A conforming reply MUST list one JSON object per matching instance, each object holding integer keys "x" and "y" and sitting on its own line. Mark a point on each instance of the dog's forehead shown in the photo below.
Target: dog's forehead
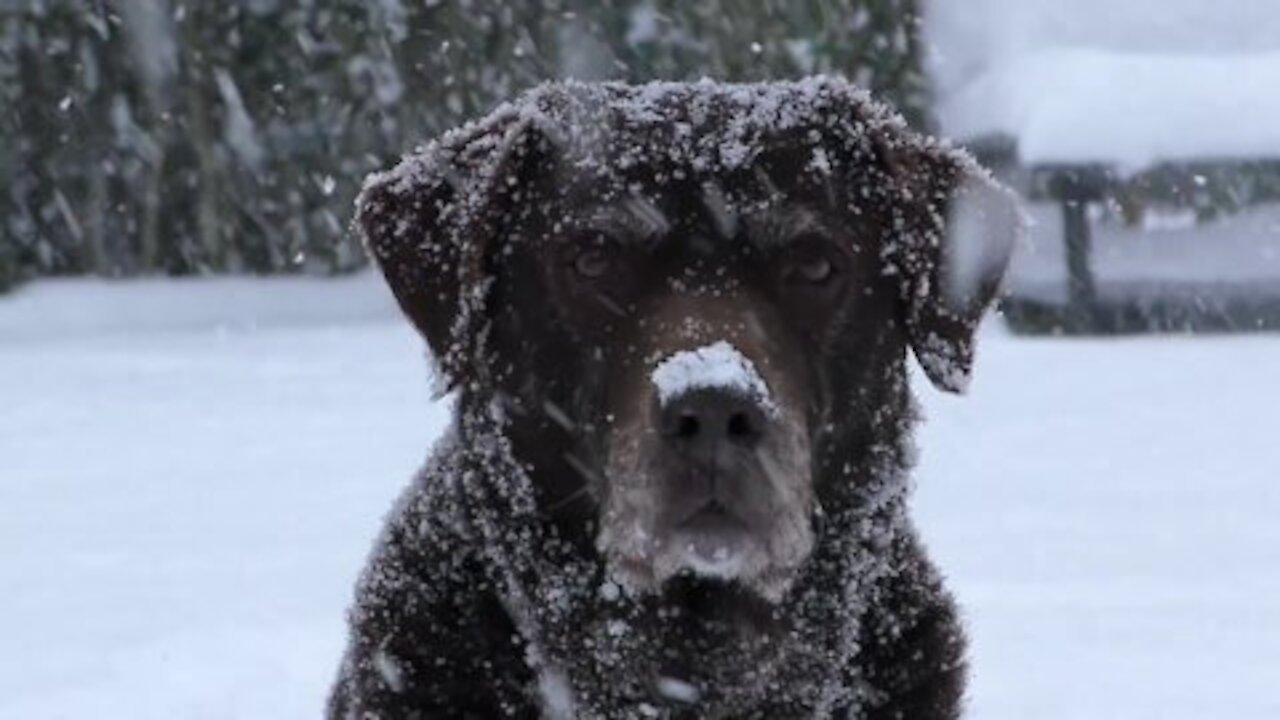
{"x": 634, "y": 168}
{"x": 700, "y": 216}
{"x": 665, "y": 196}
{"x": 700, "y": 126}
{"x": 740, "y": 139}
{"x": 701, "y": 166}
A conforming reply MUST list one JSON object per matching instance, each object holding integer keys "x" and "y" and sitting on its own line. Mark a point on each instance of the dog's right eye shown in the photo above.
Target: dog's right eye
{"x": 813, "y": 269}
{"x": 813, "y": 263}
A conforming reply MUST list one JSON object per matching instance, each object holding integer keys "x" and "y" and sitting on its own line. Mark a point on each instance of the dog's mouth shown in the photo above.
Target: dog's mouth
{"x": 713, "y": 541}
{"x": 741, "y": 517}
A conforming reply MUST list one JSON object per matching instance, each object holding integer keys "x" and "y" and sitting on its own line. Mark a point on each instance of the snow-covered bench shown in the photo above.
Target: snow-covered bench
{"x": 1090, "y": 105}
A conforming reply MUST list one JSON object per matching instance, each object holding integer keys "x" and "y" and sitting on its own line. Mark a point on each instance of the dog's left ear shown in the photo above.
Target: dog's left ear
{"x": 952, "y": 232}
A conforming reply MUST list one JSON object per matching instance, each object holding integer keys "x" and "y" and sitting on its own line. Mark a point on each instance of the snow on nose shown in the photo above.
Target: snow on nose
{"x": 718, "y": 366}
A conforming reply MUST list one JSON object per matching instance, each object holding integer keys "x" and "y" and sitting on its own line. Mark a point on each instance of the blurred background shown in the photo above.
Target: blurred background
{"x": 207, "y": 402}
{"x": 160, "y": 137}
{"x": 154, "y": 136}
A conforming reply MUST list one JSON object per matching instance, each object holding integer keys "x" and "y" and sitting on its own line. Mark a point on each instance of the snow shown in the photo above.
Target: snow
{"x": 985, "y": 225}
{"x": 191, "y": 474}
{"x": 678, "y": 690}
{"x": 238, "y": 127}
{"x": 557, "y": 694}
{"x": 719, "y": 366}
{"x": 1068, "y": 88}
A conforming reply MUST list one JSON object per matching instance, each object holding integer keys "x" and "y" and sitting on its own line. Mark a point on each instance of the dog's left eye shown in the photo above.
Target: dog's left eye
{"x": 592, "y": 263}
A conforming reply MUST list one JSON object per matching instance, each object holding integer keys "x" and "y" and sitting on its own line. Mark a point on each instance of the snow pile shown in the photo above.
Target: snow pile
{"x": 1158, "y": 80}
{"x": 718, "y": 365}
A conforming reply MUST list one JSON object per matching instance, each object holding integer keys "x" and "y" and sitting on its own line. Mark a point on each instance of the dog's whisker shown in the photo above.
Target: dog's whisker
{"x": 651, "y": 219}
{"x": 829, "y": 189}
{"x": 770, "y": 468}
{"x": 572, "y": 497}
{"x": 559, "y": 416}
{"x": 610, "y": 305}
{"x": 766, "y": 182}
{"x": 583, "y": 469}
{"x": 722, "y": 214}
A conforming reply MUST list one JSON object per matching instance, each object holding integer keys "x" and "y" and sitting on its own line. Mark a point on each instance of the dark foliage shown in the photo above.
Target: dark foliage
{"x": 168, "y": 136}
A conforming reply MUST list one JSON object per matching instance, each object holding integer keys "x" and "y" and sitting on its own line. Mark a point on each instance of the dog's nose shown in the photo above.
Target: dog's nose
{"x": 702, "y": 422}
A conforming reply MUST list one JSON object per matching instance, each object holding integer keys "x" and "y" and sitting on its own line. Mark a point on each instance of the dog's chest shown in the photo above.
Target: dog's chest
{"x": 559, "y": 702}
{"x": 623, "y": 670}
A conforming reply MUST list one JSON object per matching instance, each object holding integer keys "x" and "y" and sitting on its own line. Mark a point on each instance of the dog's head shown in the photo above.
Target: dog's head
{"x": 681, "y": 292}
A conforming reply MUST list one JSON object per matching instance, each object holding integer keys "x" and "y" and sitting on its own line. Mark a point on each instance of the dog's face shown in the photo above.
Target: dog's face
{"x": 683, "y": 335}
{"x": 708, "y": 308}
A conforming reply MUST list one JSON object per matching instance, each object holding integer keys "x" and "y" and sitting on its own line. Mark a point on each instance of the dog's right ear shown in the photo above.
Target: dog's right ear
{"x": 432, "y": 224}
{"x": 954, "y": 231}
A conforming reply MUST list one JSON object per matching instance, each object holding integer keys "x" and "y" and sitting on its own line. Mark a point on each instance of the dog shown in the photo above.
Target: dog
{"x": 676, "y": 318}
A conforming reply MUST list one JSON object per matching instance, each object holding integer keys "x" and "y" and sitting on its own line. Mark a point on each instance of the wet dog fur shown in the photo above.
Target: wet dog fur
{"x": 558, "y": 557}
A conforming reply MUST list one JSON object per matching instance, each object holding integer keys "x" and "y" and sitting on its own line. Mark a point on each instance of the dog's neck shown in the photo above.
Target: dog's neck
{"x": 561, "y": 479}
{"x": 707, "y": 635}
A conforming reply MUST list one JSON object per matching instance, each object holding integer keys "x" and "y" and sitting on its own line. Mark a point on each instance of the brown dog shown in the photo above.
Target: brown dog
{"x": 676, "y": 317}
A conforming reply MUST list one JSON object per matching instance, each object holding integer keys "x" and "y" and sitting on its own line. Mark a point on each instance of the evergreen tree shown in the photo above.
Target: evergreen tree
{"x": 174, "y": 136}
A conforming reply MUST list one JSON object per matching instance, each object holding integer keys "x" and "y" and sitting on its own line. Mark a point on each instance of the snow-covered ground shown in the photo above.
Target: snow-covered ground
{"x": 191, "y": 473}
